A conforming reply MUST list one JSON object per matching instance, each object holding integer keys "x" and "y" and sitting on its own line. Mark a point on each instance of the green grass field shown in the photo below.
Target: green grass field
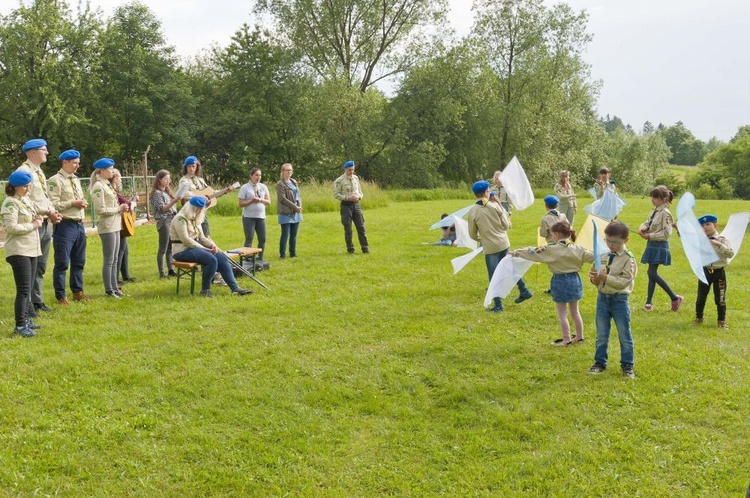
{"x": 371, "y": 375}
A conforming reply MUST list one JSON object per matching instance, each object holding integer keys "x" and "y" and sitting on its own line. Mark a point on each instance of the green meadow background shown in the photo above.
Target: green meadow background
{"x": 371, "y": 375}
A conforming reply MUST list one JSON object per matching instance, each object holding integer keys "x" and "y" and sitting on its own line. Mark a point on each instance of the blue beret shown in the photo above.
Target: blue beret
{"x": 349, "y": 164}
{"x": 70, "y": 154}
{"x": 19, "y": 178}
{"x": 36, "y": 143}
{"x": 104, "y": 162}
{"x": 190, "y": 160}
{"x": 198, "y": 201}
{"x": 480, "y": 187}
{"x": 551, "y": 200}
{"x": 708, "y": 218}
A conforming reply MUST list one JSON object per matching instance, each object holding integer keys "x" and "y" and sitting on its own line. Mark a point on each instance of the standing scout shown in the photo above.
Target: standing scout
{"x": 615, "y": 282}
{"x": 66, "y": 195}
{"x": 489, "y": 223}
{"x": 714, "y": 273}
{"x": 347, "y": 190}
{"x": 36, "y": 155}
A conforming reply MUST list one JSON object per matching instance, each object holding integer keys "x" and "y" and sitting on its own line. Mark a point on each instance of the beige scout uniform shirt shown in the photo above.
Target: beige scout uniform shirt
{"x": 344, "y": 186}
{"x": 561, "y": 257}
{"x": 21, "y": 236}
{"x": 621, "y": 272}
{"x": 185, "y": 233}
{"x": 549, "y": 219}
{"x": 38, "y": 193}
{"x": 566, "y": 195}
{"x": 724, "y": 251}
{"x": 63, "y": 190}
{"x": 193, "y": 183}
{"x": 106, "y": 207}
{"x": 659, "y": 224}
{"x": 488, "y": 223}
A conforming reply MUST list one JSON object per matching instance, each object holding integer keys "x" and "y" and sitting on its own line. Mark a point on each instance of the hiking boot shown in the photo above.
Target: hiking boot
{"x": 171, "y": 273}
{"x": 43, "y": 307}
{"x": 24, "y": 331}
{"x": 495, "y": 309}
{"x": 597, "y": 368}
{"x": 523, "y": 297}
{"x": 80, "y": 296}
{"x": 677, "y": 303}
{"x": 33, "y": 326}
{"x": 722, "y": 324}
{"x": 241, "y": 292}
{"x": 206, "y": 293}
{"x": 698, "y": 321}
{"x": 627, "y": 371}
{"x": 112, "y": 295}
{"x": 62, "y": 301}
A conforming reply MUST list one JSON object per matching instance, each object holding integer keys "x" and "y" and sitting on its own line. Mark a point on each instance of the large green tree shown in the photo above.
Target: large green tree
{"x": 47, "y": 55}
{"x": 545, "y": 97}
{"x": 252, "y": 100}
{"x": 361, "y": 41}
{"x": 686, "y": 149}
{"x": 144, "y": 96}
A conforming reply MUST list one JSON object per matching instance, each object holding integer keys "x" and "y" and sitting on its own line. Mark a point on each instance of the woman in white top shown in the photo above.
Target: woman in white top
{"x": 253, "y": 199}
{"x": 108, "y": 223}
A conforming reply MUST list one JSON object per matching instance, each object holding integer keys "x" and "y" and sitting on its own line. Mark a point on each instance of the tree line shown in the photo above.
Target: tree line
{"x": 381, "y": 82}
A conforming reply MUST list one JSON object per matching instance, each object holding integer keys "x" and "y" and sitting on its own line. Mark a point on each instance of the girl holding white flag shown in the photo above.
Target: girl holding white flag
{"x": 565, "y": 260}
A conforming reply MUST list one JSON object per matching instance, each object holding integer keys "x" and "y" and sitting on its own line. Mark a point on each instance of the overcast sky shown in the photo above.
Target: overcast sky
{"x": 659, "y": 60}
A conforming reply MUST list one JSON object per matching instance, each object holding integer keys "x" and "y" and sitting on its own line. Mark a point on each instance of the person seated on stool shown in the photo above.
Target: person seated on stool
{"x": 189, "y": 244}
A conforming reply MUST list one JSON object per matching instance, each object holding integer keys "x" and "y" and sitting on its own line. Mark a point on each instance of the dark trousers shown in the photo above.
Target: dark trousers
{"x": 251, "y": 226}
{"x": 122, "y": 258}
{"x": 70, "y": 249}
{"x": 24, "y": 273}
{"x": 165, "y": 249}
{"x": 288, "y": 232}
{"x": 45, "y": 238}
{"x": 718, "y": 279}
{"x": 350, "y": 211}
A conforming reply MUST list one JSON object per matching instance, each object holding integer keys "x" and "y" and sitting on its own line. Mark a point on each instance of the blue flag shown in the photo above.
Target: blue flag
{"x": 597, "y": 256}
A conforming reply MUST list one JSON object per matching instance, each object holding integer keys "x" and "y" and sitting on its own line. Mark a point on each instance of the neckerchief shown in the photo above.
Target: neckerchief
{"x": 609, "y": 263}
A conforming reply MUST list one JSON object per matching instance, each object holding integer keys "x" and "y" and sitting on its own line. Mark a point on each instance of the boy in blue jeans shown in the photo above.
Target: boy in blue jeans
{"x": 615, "y": 282}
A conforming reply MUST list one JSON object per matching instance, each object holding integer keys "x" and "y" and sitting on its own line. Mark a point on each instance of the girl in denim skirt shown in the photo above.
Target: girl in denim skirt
{"x": 565, "y": 260}
{"x": 656, "y": 230}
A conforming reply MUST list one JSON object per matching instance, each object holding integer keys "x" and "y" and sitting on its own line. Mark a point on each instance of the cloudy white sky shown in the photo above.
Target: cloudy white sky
{"x": 659, "y": 60}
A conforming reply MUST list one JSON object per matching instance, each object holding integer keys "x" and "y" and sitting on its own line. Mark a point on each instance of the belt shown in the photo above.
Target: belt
{"x": 71, "y": 220}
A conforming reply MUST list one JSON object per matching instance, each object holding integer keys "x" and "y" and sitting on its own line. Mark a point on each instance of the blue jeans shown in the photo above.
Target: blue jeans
{"x": 613, "y": 307}
{"x": 288, "y": 231}
{"x": 210, "y": 263}
{"x": 69, "y": 242}
{"x": 492, "y": 260}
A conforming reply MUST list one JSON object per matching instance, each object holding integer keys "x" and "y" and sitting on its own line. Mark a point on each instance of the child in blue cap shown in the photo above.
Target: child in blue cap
{"x": 714, "y": 272}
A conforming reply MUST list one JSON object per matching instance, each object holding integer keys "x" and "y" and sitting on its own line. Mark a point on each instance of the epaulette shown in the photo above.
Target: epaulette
{"x": 632, "y": 256}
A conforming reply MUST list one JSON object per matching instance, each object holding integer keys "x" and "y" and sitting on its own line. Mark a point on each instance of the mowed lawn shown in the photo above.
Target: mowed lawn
{"x": 372, "y": 375}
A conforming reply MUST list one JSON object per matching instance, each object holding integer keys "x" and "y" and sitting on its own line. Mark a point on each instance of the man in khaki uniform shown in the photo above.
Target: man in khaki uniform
{"x": 69, "y": 242}
{"x": 346, "y": 189}
{"x": 36, "y": 155}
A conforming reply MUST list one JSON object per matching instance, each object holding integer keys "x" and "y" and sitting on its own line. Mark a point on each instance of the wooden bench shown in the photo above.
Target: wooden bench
{"x": 244, "y": 254}
{"x": 185, "y": 268}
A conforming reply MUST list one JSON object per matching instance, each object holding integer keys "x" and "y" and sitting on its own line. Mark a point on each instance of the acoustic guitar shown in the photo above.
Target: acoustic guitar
{"x": 128, "y": 223}
{"x": 213, "y": 195}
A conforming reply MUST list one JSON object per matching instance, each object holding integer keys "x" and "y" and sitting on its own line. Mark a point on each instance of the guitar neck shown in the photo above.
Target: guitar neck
{"x": 224, "y": 191}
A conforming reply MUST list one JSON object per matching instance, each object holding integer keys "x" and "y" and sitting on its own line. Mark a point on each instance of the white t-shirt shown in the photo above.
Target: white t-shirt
{"x": 256, "y": 209}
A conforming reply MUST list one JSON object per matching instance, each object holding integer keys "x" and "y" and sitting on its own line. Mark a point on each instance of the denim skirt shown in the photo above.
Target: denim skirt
{"x": 566, "y": 287}
{"x": 657, "y": 253}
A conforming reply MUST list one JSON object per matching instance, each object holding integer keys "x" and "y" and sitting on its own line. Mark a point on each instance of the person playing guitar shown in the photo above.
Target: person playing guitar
{"x": 192, "y": 184}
